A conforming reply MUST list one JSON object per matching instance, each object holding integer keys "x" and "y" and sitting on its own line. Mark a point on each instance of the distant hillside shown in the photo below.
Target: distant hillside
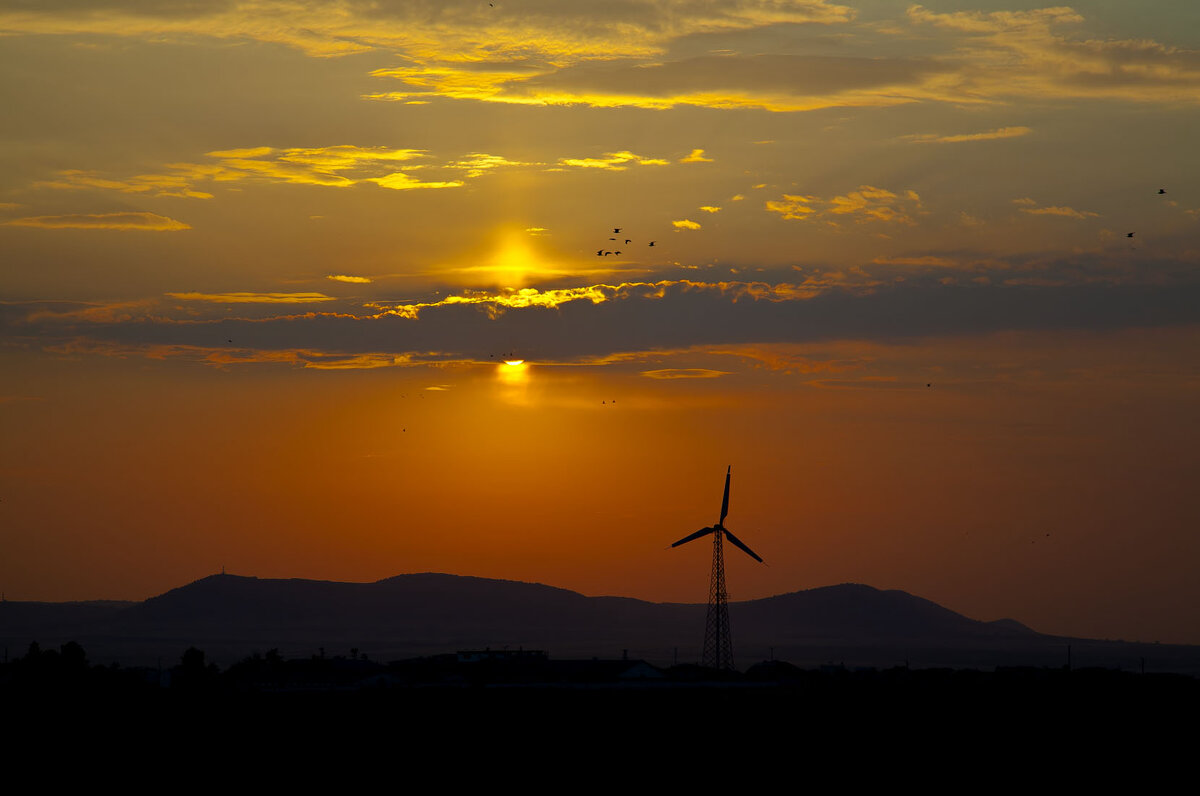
{"x": 230, "y": 616}
{"x": 32, "y": 618}
{"x": 853, "y": 611}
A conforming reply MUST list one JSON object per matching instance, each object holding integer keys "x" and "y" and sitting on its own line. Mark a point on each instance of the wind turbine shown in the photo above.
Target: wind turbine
{"x": 718, "y": 645}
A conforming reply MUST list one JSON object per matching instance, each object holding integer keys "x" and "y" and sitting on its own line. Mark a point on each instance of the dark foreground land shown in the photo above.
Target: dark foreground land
{"x": 580, "y": 726}
{"x": 443, "y": 694}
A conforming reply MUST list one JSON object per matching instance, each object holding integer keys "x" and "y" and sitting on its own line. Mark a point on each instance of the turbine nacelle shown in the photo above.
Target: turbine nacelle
{"x": 720, "y": 528}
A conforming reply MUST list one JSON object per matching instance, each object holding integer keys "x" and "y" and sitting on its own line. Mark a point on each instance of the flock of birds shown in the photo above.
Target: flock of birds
{"x": 601, "y": 252}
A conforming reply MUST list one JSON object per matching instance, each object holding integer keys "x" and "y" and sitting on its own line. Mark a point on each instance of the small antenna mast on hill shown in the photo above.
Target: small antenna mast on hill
{"x": 718, "y": 644}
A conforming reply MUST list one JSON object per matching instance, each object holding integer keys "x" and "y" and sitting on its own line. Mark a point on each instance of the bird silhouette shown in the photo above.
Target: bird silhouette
{"x": 1129, "y": 234}
{"x": 616, "y": 230}
{"x": 651, "y": 243}
{"x": 1162, "y": 191}
{"x": 627, "y": 241}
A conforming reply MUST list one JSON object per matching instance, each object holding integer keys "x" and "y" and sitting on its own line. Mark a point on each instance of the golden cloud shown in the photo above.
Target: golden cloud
{"x": 348, "y": 278}
{"x": 684, "y": 373}
{"x": 455, "y": 31}
{"x": 1030, "y": 206}
{"x": 309, "y": 165}
{"x": 253, "y": 298}
{"x": 792, "y": 206}
{"x": 685, "y": 224}
{"x": 923, "y": 260}
{"x": 153, "y": 184}
{"x": 1068, "y": 212}
{"x": 868, "y": 203}
{"x": 697, "y": 156}
{"x": 96, "y": 312}
{"x": 1020, "y": 53}
{"x": 991, "y": 135}
{"x": 399, "y": 181}
{"x": 874, "y": 203}
{"x": 995, "y": 21}
{"x": 710, "y": 209}
{"x": 589, "y": 53}
{"x": 479, "y": 163}
{"x": 151, "y": 222}
{"x": 337, "y": 166}
{"x": 612, "y": 161}
{"x": 222, "y": 357}
{"x": 495, "y": 303}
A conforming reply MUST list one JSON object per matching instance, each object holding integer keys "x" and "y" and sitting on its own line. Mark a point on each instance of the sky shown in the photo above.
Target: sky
{"x": 344, "y": 290}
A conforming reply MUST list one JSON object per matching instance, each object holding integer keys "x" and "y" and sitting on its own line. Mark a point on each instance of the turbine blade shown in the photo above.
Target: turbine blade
{"x": 696, "y": 535}
{"x": 725, "y": 500}
{"x": 729, "y": 535}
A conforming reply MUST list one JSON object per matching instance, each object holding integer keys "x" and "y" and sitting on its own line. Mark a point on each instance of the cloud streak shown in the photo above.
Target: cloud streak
{"x": 135, "y": 221}
{"x": 1027, "y": 205}
{"x": 990, "y": 135}
{"x": 253, "y": 298}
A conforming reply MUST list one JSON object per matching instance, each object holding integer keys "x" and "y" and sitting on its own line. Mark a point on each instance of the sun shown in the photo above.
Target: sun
{"x": 512, "y": 377}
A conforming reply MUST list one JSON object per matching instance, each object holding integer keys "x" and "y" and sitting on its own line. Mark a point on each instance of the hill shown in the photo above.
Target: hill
{"x": 230, "y": 616}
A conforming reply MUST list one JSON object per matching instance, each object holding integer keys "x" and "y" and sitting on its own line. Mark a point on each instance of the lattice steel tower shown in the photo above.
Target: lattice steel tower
{"x": 718, "y": 643}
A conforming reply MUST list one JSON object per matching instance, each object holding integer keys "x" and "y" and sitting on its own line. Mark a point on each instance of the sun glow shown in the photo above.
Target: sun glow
{"x": 512, "y": 263}
{"x": 513, "y": 371}
{"x": 513, "y": 381}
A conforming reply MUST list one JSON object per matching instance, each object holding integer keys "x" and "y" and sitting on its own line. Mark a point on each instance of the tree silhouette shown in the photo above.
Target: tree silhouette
{"x": 193, "y": 673}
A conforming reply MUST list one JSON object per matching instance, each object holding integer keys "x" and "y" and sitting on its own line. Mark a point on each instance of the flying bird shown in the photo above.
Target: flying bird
{"x": 616, "y": 230}
{"x": 1162, "y": 191}
{"x": 1129, "y": 234}
{"x": 627, "y": 241}
{"x": 651, "y": 243}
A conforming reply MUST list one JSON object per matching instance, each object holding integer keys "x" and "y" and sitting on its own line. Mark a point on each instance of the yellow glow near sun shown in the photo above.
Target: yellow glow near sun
{"x": 514, "y": 262}
{"x": 513, "y": 381}
{"x": 511, "y": 262}
{"x": 513, "y": 371}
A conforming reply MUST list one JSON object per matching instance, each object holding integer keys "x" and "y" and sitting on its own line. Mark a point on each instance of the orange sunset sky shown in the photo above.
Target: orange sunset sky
{"x": 261, "y": 264}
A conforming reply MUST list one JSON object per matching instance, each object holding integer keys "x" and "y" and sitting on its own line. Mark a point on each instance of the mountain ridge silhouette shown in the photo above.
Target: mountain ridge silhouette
{"x": 415, "y": 614}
